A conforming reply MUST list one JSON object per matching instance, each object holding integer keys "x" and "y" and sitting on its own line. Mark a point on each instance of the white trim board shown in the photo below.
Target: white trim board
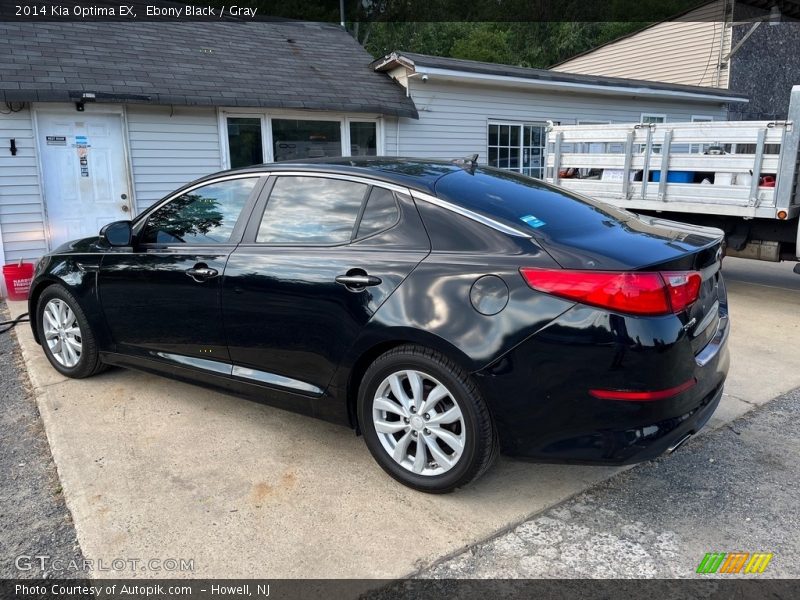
{"x": 613, "y": 90}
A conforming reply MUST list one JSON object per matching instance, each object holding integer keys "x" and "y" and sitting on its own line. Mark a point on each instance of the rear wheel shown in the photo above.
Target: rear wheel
{"x": 66, "y": 336}
{"x": 425, "y": 421}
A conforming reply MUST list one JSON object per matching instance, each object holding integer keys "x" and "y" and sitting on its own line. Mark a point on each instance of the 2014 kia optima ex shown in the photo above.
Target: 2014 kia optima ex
{"x": 446, "y": 311}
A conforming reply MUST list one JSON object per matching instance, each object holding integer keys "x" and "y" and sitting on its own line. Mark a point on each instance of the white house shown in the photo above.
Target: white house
{"x": 501, "y": 112}
{"x": 95, "y": 132}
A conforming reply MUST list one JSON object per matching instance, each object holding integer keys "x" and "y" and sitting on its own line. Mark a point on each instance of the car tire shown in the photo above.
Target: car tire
{"x": 65, "y": 334}
{"x": 454, "y": 429}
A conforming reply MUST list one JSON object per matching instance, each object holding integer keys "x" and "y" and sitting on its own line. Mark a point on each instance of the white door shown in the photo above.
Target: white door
{"x": 85, "y": 174}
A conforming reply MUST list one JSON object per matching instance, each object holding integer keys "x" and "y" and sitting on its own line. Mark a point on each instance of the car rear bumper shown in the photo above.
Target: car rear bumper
{"x": 627, "y": 446}
{"x": 548, "y": 415}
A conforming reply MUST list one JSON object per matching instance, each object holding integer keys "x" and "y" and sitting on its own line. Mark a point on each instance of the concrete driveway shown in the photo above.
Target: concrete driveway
{"x": 156, "y": 469}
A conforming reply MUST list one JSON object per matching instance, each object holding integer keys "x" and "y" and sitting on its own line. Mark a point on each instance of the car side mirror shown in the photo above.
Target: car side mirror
{"x": 118, "y": 233}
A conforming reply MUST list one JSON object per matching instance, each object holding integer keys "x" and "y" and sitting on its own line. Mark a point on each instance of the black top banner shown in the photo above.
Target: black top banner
{"x": 351, "y": 11}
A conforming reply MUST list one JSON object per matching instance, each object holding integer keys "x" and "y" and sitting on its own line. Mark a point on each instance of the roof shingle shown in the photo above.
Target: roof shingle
{"x": 267, "y": 64}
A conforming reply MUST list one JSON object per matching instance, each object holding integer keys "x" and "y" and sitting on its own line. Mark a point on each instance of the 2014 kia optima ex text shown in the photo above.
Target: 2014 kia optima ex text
{"x": 446, "y": 311}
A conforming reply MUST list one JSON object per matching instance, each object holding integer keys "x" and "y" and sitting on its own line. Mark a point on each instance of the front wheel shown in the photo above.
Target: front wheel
{"x": 424, "y": 420}
{"x": 65, "y": 334}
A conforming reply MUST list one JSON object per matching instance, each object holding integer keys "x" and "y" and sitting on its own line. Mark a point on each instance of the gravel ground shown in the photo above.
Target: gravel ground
{"x": 731, "y": 490}
{"x": 33, "y": 517}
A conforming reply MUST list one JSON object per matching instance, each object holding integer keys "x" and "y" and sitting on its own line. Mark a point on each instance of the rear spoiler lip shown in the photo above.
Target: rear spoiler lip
{"x": 717, "y": 234}
{"x": 704, "y": 255}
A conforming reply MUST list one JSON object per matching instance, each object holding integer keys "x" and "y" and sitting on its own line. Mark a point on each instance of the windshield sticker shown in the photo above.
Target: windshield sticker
{"x": 532, "y": 221}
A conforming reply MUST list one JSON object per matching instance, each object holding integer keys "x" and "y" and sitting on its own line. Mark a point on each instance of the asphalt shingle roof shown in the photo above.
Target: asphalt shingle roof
{"x": 243, "y": 63}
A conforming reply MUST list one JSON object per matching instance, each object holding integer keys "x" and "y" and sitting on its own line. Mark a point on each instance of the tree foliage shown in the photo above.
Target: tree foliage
{"x": 530, "y": 33}
{"x": 525, "y": 44}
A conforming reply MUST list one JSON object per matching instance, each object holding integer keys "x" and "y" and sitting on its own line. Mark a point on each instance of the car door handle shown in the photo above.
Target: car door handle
{"x": 358, "y": 282}
{"x": 201, "y": 273}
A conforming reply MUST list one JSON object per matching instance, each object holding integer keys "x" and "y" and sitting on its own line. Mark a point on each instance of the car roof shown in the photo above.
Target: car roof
{"x": 415, "y": 173}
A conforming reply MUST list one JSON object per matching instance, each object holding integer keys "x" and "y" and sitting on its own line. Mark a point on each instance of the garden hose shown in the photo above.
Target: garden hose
{"x": 11, "y": 324}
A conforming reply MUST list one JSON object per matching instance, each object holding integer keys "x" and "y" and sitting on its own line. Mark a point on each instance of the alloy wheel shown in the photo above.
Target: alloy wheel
{"x": 62, "y": 332}
{"x": 418, "y": 422}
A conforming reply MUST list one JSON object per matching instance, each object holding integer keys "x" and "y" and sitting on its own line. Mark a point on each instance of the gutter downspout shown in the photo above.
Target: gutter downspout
{"x": 723, "y": 30}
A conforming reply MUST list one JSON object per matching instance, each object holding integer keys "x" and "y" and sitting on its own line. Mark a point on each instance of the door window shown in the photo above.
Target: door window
{"x": 311, "y": 210}
{"x": 204, "y": 215}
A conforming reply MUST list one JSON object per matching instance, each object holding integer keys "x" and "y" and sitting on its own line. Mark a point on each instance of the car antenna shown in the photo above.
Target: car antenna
{"x": 469, "y": 162}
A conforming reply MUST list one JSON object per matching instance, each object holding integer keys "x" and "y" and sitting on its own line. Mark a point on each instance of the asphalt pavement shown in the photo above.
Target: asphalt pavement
{"x": 733, "y": 490}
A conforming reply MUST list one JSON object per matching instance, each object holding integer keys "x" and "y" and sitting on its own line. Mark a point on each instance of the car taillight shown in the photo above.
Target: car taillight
{"x": 638, "y": 293}
{"x": 643, "y": 395}
{"x": 683, "y": 287}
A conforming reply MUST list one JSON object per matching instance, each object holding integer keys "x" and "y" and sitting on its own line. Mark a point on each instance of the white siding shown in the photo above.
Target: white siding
{"x": 170, "y": 147}
{"x": 685, "y": 51}
{"x": 21, "y": 213}
{"x": 453, "y": 117}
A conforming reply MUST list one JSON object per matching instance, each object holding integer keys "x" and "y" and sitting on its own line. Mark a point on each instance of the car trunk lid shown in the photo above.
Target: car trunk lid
{"x": 642, "y": 243}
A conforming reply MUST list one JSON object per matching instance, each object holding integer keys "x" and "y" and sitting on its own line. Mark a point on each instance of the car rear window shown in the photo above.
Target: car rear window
{"x": 526, "y": 203}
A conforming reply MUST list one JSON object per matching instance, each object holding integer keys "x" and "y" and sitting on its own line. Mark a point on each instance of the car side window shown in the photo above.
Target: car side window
{"x": 380, "y": 213}
{"x": 204, "y": 215}
{"x": 311, "y": 210}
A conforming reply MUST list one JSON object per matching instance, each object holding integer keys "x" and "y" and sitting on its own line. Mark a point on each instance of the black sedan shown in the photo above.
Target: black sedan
{"x": 445, "y": 311}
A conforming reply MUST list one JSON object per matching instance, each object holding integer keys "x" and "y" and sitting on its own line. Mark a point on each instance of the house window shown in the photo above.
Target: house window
{"x": 258, "y": 138}
{"x": 244, "y": 141}
{"x": 592, "y": 147}
{"x": 518, "y": 147}
{"x": 363, "y": 138}
{"x": 298, "y": 138}
{"x": 653, "y": 118}
{"x": 700, "y": 148}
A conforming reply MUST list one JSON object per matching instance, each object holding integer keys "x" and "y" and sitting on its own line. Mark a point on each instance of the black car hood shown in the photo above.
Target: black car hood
{"x": 634, "y": 243}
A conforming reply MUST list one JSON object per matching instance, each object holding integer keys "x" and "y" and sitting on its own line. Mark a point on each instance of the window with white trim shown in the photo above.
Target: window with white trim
{"x": 294, "y": 139}
{"x": 653, "y": 118}
{"x": 700, "y": 148}
{"x": 518, "y": 147}
{"x": 363, "y": 138}
{"x": 593, "y": 147}
{"x": 258, "y": 138}
{"x": 245, "y": 145}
